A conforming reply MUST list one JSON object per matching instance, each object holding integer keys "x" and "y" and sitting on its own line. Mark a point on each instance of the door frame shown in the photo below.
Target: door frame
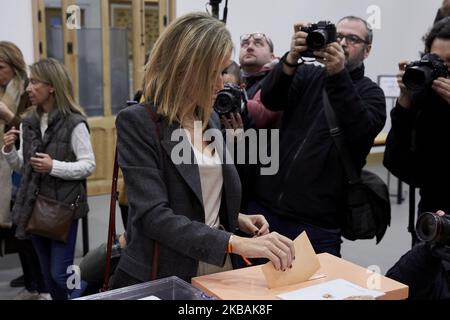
{"x": 103, "y": 127}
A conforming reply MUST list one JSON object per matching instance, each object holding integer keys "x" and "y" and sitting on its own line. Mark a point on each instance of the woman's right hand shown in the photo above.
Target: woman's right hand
{"x": 10, "y": 138}
{"x": 273, "y": 246}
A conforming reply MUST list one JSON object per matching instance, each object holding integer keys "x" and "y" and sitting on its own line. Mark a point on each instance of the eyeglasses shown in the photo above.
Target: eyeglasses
{"x": 256, "y": 36}
{"x": 350, "y": 39}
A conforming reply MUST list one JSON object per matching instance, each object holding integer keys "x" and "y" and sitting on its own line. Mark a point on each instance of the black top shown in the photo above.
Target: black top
{"x": 310, "y": 187}
{"x": 416, "y": 149}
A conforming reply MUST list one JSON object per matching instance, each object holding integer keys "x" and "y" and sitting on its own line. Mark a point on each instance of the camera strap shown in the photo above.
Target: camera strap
{"x": 336, "y": 134}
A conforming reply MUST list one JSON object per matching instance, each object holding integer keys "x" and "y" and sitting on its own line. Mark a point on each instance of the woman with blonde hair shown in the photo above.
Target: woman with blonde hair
{"x": 56, "y": 157}
{"x": 182, "y": 215}
{"x": 13, "y": 100}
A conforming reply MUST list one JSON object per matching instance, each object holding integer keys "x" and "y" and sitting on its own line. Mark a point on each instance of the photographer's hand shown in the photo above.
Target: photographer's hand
{"x": 235, "y": 124}
{"x": 404, "y": 100}
{"x": 442, "y": 87}
{"x": 333, "y": 57}
{"x": 298, "y": 45}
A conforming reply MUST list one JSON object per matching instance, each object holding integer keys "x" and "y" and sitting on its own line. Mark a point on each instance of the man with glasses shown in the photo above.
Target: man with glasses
{"x": 309, "y": 191}
{"x": 257, "y": 58}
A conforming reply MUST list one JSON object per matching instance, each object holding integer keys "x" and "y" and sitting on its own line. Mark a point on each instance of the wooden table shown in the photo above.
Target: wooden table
{"x": 249, "y": 283}
{"x": 380, "y": 140}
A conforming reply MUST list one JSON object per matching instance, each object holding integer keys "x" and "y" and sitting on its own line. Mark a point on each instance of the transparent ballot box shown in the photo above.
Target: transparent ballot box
{"x": 172, "y": 288}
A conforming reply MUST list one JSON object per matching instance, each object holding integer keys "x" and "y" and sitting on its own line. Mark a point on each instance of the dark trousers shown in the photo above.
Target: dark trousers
{"x": 124, "y": 214}
{"x": 322, "y": 240}
{"x": 55, "y": 257}
{"x": 29, "y": 260}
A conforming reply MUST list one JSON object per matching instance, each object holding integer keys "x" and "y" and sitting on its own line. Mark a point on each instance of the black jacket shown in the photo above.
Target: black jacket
{"x": 416, "y": 149}
{"x": 166, "y": 203}
{"x": 426, "y": 273}
{"x": 310, "y": 185}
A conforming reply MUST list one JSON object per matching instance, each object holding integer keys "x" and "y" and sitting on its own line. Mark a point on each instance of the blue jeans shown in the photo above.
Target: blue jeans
{"x": 322, "y": 240}
{"x": 55, "y": 257}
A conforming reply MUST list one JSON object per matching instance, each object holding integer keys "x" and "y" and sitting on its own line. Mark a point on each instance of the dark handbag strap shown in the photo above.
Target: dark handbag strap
{"x": 112, "y": 214}
{"x": 112, "y": 223}
{"x": 341, "y": 146}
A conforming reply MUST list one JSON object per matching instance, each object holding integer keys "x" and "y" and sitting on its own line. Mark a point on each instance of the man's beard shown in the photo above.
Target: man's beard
{"x": 352, "y": 65}
{"x": 355, "y": 63}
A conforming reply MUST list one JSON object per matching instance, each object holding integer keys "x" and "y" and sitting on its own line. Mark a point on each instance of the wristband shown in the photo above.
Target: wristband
{"x": 230, "y": 246}
{"x": 292, "y": 65}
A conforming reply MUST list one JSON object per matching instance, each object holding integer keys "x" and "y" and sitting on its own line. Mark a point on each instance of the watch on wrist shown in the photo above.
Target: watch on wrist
{"x": 292, "y": 65}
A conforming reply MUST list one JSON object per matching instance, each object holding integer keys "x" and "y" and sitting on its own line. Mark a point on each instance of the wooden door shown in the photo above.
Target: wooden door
{"x": 105, "y": 58}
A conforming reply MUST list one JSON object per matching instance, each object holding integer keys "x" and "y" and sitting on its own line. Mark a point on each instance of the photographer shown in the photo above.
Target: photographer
{"x": 425, "y": 269}
{"x": 309, "y": 191}
{"x": 443, "y": 11}
{"x": 231, "y": 102}
{"x": 420, "y": 129}
{"x": 257, "y": 60}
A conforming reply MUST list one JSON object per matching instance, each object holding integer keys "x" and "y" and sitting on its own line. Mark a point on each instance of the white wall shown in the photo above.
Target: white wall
{"x": 403, "y": 23}
{"x": 16, "y": 25}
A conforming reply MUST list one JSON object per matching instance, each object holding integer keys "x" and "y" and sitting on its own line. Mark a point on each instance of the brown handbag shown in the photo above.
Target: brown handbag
{"x": 51, "y": 218}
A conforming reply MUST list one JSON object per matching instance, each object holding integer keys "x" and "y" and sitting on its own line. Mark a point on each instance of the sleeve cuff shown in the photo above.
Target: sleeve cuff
{"x": 8, "y": 154}
{"x": 57, "y": 169}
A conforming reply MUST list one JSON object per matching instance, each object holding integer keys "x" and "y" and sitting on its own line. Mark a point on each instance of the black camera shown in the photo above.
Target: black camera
{"x": 419, "y": 75}
{"x": 231, "y": 99}
{"x": 319, "y": 35}
{"x": 432, "y": 227}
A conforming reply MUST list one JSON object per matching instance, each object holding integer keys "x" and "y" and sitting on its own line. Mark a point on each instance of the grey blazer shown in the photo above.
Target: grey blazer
{"x": 165, "y": 202}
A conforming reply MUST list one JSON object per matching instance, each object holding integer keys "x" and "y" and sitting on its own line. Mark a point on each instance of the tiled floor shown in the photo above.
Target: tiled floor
{"x": 363, "y": 252}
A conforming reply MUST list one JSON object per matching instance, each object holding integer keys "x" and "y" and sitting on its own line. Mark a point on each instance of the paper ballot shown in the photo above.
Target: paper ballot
{"x": 338, "y": 289}
{"x": 304, "y": 266}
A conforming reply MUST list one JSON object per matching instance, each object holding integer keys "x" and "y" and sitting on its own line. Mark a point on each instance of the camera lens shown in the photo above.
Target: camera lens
{"x": 434, "y": 228}
{"x": 417, "y": 78}
{"x": 427, "y": 226}
{"x": 224, "y": 103}
{"x": 317, "y": 39}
